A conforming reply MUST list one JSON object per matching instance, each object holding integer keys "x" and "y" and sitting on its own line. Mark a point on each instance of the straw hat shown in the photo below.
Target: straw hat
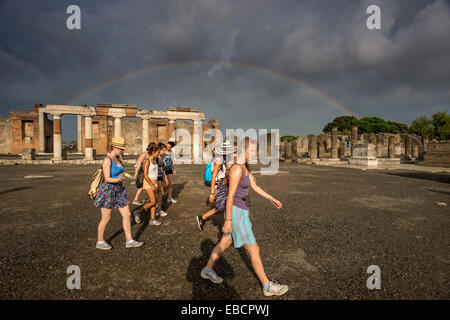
{"x": 118, "y": 142}
{"x": 224, "y": 149}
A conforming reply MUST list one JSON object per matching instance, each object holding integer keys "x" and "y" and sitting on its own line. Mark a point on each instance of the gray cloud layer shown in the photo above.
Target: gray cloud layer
{"x": 398, "y": 72}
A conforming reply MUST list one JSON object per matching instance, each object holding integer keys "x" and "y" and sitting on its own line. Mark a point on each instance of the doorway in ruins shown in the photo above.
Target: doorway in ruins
{"x": 69, "y": 133}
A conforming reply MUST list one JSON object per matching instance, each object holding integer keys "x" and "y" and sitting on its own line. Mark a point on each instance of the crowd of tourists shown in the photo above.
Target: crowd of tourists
{"x": 230, "y": 180}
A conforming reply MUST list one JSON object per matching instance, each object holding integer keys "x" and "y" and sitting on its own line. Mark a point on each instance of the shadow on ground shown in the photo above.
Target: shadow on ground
{"x": 438, "y": 177}
{"x": 15, "y": 189}
{"x": 203, "y": 289}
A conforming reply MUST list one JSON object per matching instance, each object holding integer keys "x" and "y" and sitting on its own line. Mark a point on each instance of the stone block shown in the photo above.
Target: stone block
{"x": 28, "y": 154}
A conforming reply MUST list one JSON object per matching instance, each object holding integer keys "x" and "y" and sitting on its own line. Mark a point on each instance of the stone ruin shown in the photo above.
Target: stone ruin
{"x": 367, "y": 149}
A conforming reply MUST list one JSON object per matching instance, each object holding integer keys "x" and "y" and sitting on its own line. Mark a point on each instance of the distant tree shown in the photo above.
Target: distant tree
{"x": 372, "y": 125}
{"x": 344, "y": 124}
{"x": 441, "y": 123}
{"x": 288, "y": 138}
{"x": 422, "y": 126}
{"x": 397, "y": 127}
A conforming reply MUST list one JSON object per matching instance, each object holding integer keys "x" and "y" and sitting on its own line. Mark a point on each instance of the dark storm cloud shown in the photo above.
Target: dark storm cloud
{"x": 399, "y": 72}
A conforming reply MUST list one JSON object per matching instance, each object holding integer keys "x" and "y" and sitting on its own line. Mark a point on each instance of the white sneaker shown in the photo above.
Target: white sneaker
{"x": 173, "y": 200}
{"x": 103, "y": 245}
{"x": 275, "y": 289}
{"x": 169, "y": 200}
{"x": 133, "y": 244}
{"x": 162, "y": 213}
{"x": 154, "y": 222}
{"x": 136, "y": 203}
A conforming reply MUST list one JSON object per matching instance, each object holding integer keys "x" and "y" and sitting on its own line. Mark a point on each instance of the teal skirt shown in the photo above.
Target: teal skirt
{"x": 242, "y": 228}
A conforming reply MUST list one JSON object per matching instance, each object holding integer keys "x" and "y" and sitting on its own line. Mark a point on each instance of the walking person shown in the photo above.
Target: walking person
{"x": 237, "y": 227}
{"x": 161, "y": 177}
{"x": 150, "y": 186}
{"x": 113, "y": 194}
{"x": 169, "y": 170}
{"x": 138, "y": 167}
{"x": 221, "y": 164}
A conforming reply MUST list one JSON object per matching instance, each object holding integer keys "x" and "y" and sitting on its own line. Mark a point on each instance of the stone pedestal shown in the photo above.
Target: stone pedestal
{"x": 28, "y": 154}
{"x": 363, "y": 154}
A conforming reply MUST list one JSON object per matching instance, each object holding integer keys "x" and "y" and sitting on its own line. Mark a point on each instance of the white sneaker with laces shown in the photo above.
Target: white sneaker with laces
{"x": 133, "y": 244}
{"x": 103, "y": 245}
{"x": 275, "y": 289}
{"x": 162, "y": 213}
{"x": 154, "y": 222}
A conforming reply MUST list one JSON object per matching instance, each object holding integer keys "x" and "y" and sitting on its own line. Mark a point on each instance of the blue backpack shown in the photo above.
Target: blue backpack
{"x": 208, "y": 175}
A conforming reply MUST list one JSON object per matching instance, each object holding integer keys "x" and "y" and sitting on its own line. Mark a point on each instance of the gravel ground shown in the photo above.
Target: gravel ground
{"x": 335, "y": 222}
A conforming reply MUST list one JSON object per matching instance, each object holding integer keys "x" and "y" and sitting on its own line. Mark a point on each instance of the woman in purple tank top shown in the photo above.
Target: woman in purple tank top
{"x": 237, "y": 228}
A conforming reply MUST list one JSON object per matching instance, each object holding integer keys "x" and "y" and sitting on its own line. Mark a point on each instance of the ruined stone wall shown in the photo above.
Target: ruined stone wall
{"x": 132, "y": 132}
{"x": 24, "y": 130}
{"x": 437, "y": 153}
{"x": 5, "y": 135}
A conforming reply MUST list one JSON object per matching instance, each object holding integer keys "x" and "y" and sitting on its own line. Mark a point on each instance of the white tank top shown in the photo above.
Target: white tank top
{"x": 153, "y": 171}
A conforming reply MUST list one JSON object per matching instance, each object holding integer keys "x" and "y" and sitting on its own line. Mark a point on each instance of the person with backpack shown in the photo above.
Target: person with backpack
{"x": 113, "y": 194}
{"x": 139, "y": 176}
{"x": 169, "y": 170}
{"x": 219, "y": 165}
{"x": 237, "y": 228}
{"x": 161, "y": 177}
{"x": 150, "y": 186}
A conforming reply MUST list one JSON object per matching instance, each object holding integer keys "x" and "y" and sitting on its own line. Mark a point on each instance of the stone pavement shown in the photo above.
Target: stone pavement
{"x": 335, "y": 222}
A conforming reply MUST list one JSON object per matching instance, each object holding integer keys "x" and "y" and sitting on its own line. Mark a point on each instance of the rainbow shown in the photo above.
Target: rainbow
{"x": 153, "y": 68}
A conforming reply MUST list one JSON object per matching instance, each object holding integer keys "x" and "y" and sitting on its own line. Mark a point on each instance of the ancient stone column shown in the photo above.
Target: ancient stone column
{"x": 391, "y": 147}
{"x": 312, "y": 146}
{"x": 117, "y": 127}
{"x": 354, "y": 136}
{"x": 88, "y": 142}
{"x": 379, "y": 142}
{"x": 41, "y": 132}
{"x": 320, "y": 146}
{"x": 334, "y": 143}
{"x": 288, "y": 152}
{"x": 295, "y": 155}
{"x": 171, "y": 130}
{"x": 341, "y": 151}
{"x": 57, "y": 141}
{"x": 79, "y": 135}
{"x": 196, "y": 141}
{"x": 283, "y": 149}
{"x": 145, "y": 137}
{"x": 408, "y": 147}
{"x": 415, "y": 151}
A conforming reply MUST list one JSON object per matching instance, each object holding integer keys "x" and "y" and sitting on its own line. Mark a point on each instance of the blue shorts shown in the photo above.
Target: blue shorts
{"x": 242, "y": 228}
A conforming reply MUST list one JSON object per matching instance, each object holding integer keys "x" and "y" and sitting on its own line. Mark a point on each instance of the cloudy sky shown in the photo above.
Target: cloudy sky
{"x": 293, "y": 65}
